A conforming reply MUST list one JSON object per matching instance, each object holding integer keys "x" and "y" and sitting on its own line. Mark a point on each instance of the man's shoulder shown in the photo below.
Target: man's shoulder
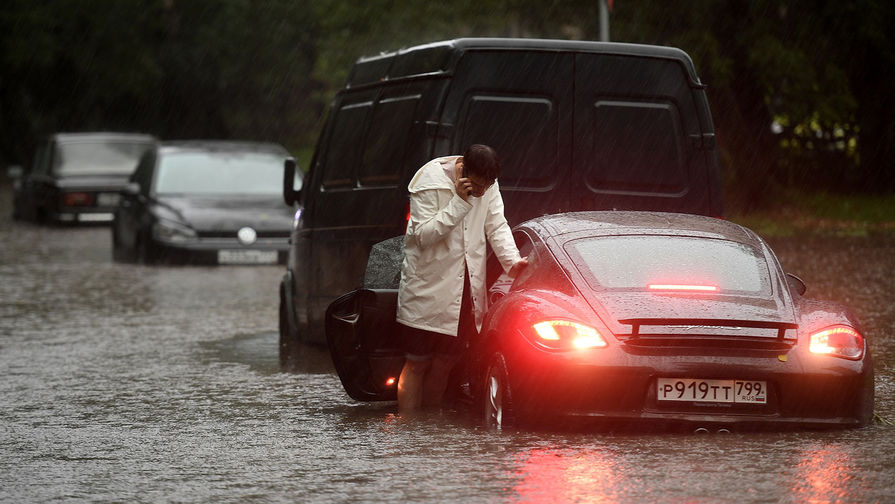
{"x": 433, "y": 175}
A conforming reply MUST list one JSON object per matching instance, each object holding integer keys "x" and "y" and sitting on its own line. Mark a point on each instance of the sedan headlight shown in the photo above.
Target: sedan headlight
{"x": 170, "y": 231}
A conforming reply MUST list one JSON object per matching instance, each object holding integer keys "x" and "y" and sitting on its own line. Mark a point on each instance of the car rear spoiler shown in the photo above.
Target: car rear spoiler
{"x": 635, "y": 324}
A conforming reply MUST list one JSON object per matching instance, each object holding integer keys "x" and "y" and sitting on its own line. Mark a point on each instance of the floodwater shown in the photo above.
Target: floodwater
{"x": 124, "y": 383}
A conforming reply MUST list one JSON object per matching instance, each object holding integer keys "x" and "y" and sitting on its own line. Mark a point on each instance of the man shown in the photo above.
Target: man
{"x": 455, "y": 205}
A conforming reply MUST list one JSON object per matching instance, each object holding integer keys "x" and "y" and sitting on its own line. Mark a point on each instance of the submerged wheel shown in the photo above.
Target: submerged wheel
{"x": 288, "y": 336}
{"x": 496, "y": 396}
{"x": 119, "y": 252}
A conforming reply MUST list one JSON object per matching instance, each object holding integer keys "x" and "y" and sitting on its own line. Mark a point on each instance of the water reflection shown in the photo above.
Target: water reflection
{"x": 552, "y": 475}
{"x": 827, "y": 474}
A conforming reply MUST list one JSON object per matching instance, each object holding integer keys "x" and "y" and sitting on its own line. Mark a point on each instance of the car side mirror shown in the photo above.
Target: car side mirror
{"x": 796, "y": 284}
{"x": 290, "y": 194}
{"x": 14, "y": 172}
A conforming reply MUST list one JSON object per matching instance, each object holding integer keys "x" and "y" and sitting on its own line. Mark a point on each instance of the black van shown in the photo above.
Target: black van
{"x": 578, "y": 126}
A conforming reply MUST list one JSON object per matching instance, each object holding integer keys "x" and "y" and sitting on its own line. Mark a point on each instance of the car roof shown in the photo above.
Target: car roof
{"x": 440, "y": 58}
{"x": 573, "y": 225}
{"x": 221, "y": 146}
{"x": 101, "y": 136}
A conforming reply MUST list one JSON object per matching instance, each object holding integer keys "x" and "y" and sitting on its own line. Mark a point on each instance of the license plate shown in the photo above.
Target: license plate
{"x": 247, "y": 256}
{"x": 105, "y": 199}
{"x": 716, "y": 391}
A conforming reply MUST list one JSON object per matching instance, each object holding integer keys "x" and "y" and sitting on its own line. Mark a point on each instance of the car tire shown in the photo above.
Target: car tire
{"x": 119, "y": 252}
{"x": 288, "y": 336}
{"x": 497, "y": 398}
{"x": 144, "y": 251}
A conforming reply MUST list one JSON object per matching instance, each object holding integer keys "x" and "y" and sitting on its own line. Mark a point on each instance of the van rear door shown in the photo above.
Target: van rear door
{"x": 520, "y": 103}
{"x": 634, "y": 120}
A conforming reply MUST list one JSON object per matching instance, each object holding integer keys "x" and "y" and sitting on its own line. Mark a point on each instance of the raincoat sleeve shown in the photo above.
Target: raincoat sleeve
{"x": 500, "y": 236}
{"x": 433, "y": 214}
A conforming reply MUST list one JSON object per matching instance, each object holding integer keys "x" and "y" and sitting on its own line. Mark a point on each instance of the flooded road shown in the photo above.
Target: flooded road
{"x": 126, "y": 383}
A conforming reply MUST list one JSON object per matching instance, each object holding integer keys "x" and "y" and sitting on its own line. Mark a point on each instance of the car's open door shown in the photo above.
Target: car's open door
{"x": 363, "y": 340}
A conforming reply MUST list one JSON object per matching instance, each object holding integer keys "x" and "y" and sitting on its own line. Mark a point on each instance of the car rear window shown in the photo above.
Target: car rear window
{"x": 98, "y": 158}
{"x": 670, "y": 263}
{"x": 215, "y": 173}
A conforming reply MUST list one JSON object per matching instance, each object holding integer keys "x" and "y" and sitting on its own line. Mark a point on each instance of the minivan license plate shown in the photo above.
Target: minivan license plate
{"x": 247, "y": 256}
{"x": 717, "y": 391}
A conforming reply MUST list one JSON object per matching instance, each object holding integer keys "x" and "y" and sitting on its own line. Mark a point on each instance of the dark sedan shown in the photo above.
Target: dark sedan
{"x": 638, "y": 318}
{"x": 75, "y": 177}
{"x": 205, "y": 202}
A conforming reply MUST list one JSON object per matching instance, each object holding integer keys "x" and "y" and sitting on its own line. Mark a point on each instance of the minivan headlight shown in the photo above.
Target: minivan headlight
{"x": 165, "y": 230}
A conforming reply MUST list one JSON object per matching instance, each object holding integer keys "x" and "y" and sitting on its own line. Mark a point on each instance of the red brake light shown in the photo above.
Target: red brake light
{"x": 684, "y": 287}
{"x": 390, "y": 381}
{"x": 75, "y": 199}
{"x": 838, "y": 341}
{"x": 567, "y": 335}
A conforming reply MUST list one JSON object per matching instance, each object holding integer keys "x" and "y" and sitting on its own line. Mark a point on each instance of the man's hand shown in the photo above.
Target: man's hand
{"x": 463, "y": 186}
{"x": 518, "y": 267}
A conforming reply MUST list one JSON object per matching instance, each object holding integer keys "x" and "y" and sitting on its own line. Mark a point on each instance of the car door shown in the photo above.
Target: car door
{"x": 361, "y": 332}
{"x": 133, "y": 203}
{"x": 364, "y": 342}
{"x": 36, "y": 183}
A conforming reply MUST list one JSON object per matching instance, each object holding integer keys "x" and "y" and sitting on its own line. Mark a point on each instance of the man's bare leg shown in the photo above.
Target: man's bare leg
{"x": 436, "y": 379}
{"x": 410, "y": 385}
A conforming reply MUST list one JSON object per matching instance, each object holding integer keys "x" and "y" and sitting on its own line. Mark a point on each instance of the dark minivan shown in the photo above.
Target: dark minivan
{"x": 578, "y": 126}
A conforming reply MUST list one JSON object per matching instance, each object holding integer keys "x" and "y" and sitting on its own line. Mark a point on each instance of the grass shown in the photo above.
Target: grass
{"x": 822, "y": 213}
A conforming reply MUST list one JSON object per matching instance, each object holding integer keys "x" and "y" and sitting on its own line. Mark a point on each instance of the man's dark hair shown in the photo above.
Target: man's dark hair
{"x": 481, "y": 160}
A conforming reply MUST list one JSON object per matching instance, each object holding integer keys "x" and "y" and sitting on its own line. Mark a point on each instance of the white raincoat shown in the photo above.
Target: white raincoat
{"x": 446, "y": 235}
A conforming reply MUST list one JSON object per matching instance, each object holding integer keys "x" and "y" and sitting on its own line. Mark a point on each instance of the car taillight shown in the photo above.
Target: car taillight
{"x": 567, "y": 335}
{"x": 684, "y": 287}
{"x": 838, "y": 341}
{"x": 77, "y": 199}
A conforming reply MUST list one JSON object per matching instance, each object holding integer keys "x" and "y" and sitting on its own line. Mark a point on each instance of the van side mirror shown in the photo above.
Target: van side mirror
{"x": 14, "y": 172}
{"x": 290, "y": 195}
{"x": 130, "y": 189}
{"x": 796, "y": 284}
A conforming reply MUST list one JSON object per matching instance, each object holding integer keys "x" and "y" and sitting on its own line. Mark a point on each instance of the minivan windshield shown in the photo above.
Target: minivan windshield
{"x": 108, "y": 157}
{"x": 670, "y": 263}
{"x": 218, "y": 173}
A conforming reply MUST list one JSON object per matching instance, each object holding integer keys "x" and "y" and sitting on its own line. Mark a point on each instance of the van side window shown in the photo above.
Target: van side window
{"x": 384, "y": 151}
{"x": 523, "y": 129}
{"x": 344, "y": 152}
{"x": 636, "y": 147}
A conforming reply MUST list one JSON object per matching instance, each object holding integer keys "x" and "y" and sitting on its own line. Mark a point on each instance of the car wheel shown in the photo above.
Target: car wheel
{"x": 496, "y": 396}
{"x": 288, "y": 336}
{"x": 119, "y": 252}
{"x": 144, "y": 252}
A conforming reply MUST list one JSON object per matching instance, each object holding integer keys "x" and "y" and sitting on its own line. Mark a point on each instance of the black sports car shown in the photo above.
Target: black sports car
{"x": 633, "y": 318}
{"x": 76, "y": 177}
{"x": 205, "y": 202}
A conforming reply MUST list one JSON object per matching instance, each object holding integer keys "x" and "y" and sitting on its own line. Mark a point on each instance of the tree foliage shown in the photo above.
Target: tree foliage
{"x": 800, "y": 89}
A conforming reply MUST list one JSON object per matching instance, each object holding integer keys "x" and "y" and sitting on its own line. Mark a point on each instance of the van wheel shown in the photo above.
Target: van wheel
{"x": 288, "y": 336}
{"x": 497, "y": 399}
